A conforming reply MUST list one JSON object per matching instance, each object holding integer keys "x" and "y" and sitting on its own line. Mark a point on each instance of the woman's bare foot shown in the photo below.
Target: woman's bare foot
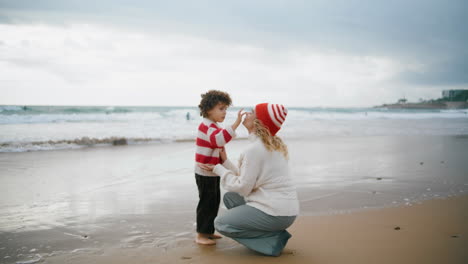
{"x": 204, "y": 240}
{"x": 287, "y": 251}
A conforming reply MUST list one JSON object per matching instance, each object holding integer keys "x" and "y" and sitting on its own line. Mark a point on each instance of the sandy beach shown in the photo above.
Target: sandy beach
{"x": 135, "y": 204}
{"x": 435, "y": 231}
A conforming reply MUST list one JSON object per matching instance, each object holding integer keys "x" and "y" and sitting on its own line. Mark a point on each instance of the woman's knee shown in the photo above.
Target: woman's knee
{"x": 232, "y": 199}
{"x": 220, "y": 225}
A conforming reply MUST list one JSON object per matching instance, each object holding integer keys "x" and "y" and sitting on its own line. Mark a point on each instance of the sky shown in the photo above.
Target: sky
{"x": 334, "y": 53}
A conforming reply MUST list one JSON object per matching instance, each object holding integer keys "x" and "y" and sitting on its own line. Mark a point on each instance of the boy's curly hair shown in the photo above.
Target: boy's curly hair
{"x": 210, "y": 99}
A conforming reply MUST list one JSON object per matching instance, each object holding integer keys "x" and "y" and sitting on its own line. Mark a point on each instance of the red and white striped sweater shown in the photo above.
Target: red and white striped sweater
{"x": 210, "y": 140}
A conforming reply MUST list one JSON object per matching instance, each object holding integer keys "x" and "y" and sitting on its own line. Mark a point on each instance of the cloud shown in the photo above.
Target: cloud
{"x": 105, "y": 61}
{"x": 358, "y": 26}
{"x": 306, "y": 53}
{"x": 452, "y": 71}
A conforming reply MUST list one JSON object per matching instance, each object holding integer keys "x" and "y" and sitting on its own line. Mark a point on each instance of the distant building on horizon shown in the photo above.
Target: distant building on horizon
{"x": 455, "y": 95}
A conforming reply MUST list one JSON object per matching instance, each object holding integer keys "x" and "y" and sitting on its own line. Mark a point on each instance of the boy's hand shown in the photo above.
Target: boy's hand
{"x": 207, "y": 167}
{"x": 239, "y": 119}
{"x": 223, "y": 155}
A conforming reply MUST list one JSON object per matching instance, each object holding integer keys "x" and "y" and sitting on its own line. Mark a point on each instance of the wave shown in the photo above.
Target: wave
{"x": 11, "y": 108}
{"x": 55, "y": 114}
{"x": 367, "y": 114}
{"x": 75, "y": 118}
{"x": 80, "y": 143}
{"x": 33, "y": 110}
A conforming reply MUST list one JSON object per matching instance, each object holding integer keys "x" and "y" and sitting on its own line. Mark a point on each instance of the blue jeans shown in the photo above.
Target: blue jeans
{"x": 252, "y": 227}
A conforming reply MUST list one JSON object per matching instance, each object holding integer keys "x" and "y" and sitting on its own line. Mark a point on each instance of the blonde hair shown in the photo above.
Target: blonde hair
{"x": 272, "y": 143}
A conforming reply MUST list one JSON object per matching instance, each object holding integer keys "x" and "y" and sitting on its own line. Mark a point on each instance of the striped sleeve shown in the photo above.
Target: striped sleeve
{"x": 219, "y": 137}
{"x": 200, "y": 158}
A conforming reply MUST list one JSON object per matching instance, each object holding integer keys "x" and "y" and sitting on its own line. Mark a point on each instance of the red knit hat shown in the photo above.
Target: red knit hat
{"x": 271, "y": 115}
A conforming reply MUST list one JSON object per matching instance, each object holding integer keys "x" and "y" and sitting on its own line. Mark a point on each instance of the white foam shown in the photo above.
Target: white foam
{"x": 5, "y": 108}
{"x": 31, "y": 261}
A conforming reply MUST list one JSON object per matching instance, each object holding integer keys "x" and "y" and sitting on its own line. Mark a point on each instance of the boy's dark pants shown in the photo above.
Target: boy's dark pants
{"x": 210, "y": 197}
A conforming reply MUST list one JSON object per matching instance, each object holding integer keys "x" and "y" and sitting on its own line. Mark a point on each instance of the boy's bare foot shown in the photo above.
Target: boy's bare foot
{"x": 210, "y": 236}
{"x": 214, "y": 236}
{"x": 203, "y": 240}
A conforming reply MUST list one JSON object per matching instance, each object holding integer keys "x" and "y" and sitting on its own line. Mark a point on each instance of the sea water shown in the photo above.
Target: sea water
{"x": 35, "y": 128}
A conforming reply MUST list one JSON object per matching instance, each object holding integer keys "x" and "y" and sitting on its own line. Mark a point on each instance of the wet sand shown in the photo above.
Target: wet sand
{"x": 111, "y": 203}
{"x": 435, "y": 231}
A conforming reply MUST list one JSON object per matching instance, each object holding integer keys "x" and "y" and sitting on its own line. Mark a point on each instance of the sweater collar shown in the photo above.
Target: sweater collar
{"x": 252, "y": 137}
{"x": 208, "y": 122}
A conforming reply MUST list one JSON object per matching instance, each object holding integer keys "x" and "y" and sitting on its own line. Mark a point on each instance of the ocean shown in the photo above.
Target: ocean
{"x": 41, "y": 128}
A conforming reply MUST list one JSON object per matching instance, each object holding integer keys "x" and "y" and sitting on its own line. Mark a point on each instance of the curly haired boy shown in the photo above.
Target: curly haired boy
{"x": 211, "y": 139}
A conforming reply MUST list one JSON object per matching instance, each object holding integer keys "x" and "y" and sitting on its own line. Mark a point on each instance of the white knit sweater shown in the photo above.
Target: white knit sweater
{"x": 262, "y": 178}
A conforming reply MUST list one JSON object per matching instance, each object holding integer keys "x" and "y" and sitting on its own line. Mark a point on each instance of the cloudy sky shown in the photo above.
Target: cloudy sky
{"x": 299, "y": 53}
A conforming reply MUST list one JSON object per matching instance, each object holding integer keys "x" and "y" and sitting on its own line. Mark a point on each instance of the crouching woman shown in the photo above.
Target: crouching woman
{"x": 261, "y": 197}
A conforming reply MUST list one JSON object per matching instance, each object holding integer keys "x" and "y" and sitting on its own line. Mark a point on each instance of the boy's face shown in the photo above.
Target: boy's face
{"x": 218, "y": 113}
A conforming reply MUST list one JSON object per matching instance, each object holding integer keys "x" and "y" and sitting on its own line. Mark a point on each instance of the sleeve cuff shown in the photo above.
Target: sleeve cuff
{"x": 220, "y": 170}
{"x": 230, "y": 166}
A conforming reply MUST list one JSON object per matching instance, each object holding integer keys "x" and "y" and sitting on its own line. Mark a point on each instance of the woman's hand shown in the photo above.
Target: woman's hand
{"x": 207, "y": 167}
{"x": 223, "y": 155}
